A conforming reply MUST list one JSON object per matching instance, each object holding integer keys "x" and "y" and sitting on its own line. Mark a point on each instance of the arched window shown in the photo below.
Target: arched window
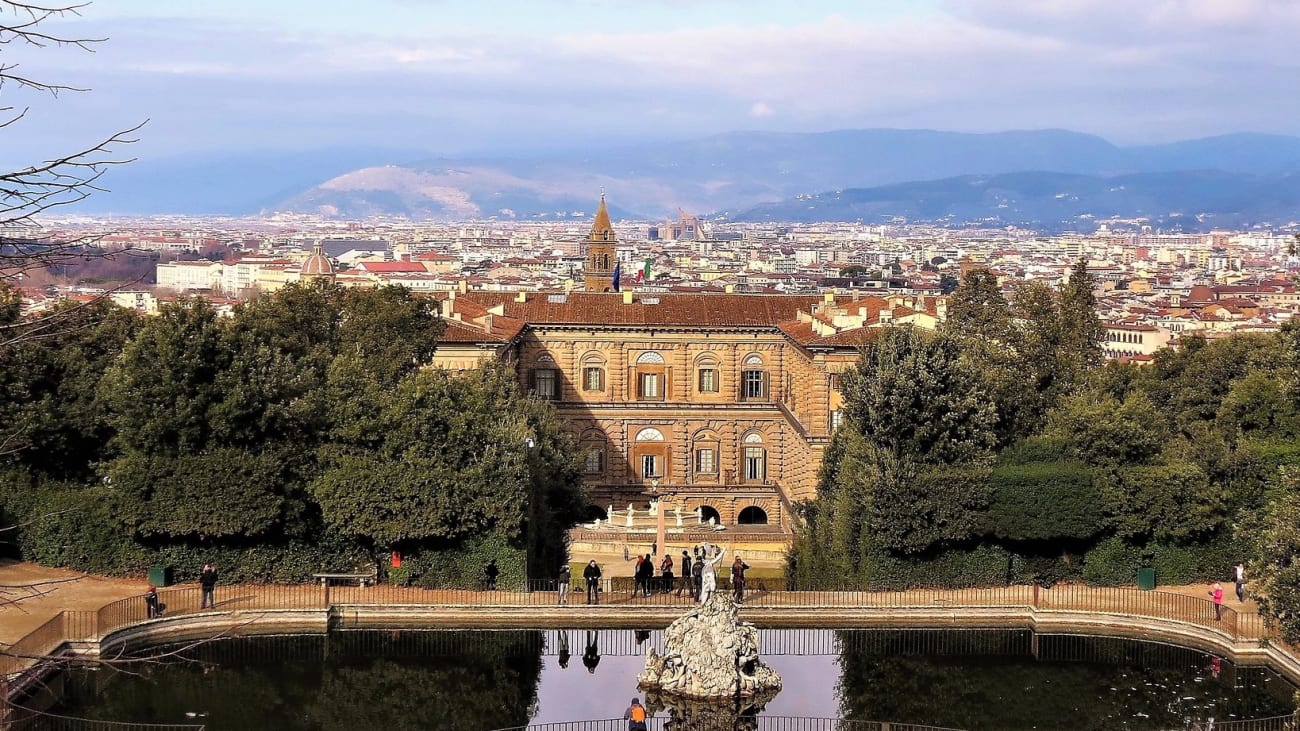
{"x": 752, "y": 515}
{"x": 593, "y": 373}
{"x": 705, "y": 461}
{"x": 753, "y": 379}
{"x": 706, "y": 374}
{"x": 754, "y": 459}
{"x": 649, "y": 434}
{"x": 545, "y": 378}
{"x": 651, "y": 376}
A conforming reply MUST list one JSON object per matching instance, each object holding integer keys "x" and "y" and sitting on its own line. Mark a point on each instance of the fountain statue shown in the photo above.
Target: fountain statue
{"x": 699, "y": 514}
{"x": 709, "y": 654}
{"x": 654, "y": 508}
{"x": 679, "y": 519}
{"x": 609, "y": 513}
{"x": 628, "y": 520}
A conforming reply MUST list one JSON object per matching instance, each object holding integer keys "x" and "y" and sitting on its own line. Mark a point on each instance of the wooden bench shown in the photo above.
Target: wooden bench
{"x": 362, "y": 579}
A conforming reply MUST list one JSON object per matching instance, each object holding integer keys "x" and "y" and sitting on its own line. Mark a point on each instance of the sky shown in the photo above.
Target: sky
{"x": 505, "y": 76}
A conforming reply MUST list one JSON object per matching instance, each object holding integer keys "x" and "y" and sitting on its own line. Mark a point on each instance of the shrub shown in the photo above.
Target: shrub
{"x": 1112, "y": 562}
{"x": 1044, "y": 501}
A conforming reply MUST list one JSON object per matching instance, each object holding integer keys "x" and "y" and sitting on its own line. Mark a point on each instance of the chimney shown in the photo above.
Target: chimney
{"x": 463, "y": 286}
{"x": 521, "y": 297}
{"x": 729, "y": 289}
{"x": 828, "y": 298}
{"x": 941, "y": 308}
{"x": 627, "y": 296}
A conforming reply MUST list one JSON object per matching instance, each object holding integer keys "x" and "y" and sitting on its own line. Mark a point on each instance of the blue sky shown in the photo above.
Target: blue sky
{"x": 487, "y": 76}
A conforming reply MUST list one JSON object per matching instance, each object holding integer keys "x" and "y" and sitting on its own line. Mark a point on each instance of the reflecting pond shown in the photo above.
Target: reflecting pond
{"x": 478, "y": 680}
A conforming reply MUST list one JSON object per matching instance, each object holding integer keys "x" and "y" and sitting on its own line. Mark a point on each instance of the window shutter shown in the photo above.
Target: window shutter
{"x": 767, "y": 389}
{"x": 633, "y": 388}
{"x": 532, "y": 380}
{"x": 668, "y": 383}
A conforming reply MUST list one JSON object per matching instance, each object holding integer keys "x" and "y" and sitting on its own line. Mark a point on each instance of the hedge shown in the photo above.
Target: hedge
{"x": 1044, "y": 501}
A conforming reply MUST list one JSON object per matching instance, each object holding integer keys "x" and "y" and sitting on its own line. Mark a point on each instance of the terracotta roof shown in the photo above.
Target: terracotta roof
{"x": 658, "y": 308}
{"x": 391, "y": 267}
{"x": 459, "y": 332}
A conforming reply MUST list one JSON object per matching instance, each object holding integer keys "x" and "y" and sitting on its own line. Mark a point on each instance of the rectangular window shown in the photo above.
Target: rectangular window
{"x": 708, "y": 380}
{"x": 706, "y": 461}
{"x": 544, "y": 383}
{"x": 594, "y": 463}
{"x": 650, "y": 466}
{"x": 593, "y": 379}
{"x": 649, "y": 383}
{"x": 755, "y": 464}
{"x": 833, "y": 380}
{"x": 754, "y": 384}
{"x": 837, "y": 419}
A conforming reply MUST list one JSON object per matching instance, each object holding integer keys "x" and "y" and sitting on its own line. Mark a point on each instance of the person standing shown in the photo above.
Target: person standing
{"x": 697, "y": 575}
{"x": 1239, "y": 578}
{"x": 490, "y": 573}
{"x": 563, "y": 584}
{"x": 152, "y": 608}
{"x": 738, "y": 579}
{"x": 591, "y": 575}
{"x": 208, "y": 582}
{"x": 635, "y": 716}
{"x": 646, "y": 574}
{"x": 591, "y": 655}
{"x": 666, "y": 572}
{"x": 709, "y": 578}
{"x": 688, "y": 581}
{"x": 1216, "y": 595}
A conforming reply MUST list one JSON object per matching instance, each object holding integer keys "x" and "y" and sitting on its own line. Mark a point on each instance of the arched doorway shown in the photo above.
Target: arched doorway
{"x": 708, "y": 512}
{"x": 752, "y": 515}
{"x": 592, "y": 512}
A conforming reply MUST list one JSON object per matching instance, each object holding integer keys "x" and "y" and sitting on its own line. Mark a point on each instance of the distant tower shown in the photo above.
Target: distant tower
{"x": 598, "y": 273}
{"x": 317, "y": 266}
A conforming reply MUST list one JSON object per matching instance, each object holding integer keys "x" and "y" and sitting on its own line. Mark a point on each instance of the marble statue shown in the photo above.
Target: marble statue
{"x": 709, "y": 654}
{"x": 713, "y": 522}
{"x": 609, "y": 513}
{"x": 654, "y": 508}
{"x": 628, "y": 521}
{"x": 679, "y": 519}
{"x": 699, "y": 513}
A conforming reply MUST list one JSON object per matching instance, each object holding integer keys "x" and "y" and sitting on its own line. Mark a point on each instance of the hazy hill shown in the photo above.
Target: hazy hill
{"x": 1052, "y": 201}
{"x": 728, "y": 172}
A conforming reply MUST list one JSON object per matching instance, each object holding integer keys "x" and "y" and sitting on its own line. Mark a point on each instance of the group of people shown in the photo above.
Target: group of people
{"x": 1216, "y": 589}
{"x": 154, "y": 608}
{"x": 698, "y": 576}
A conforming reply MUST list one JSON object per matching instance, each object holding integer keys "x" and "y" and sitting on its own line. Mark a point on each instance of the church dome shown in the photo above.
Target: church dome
{"x": 317, "y": 266}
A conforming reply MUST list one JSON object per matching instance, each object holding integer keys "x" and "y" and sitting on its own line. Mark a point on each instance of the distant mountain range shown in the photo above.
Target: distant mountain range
{"x": 1016, "y": 177}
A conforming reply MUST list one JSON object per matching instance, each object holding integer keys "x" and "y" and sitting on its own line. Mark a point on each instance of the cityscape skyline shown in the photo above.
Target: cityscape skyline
{"x": 453, "y": 78}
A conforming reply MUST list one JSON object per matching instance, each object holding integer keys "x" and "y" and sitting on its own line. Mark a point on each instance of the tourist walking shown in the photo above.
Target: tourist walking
{"x": 666, "y": 573}
{"x": 1239, "y": 578}
{"x": 738, "y": 579}
{"x": 591, "y": 575}
{"x": 208, "y": 582}
{"x": 709, "y": 578}
{"x": 1216, "y": 594}
{"x": 688, "y": 581}
{"x": 635, "y": 716}
{"x": 563, "y": 585}
{"x": 490, "y": 574}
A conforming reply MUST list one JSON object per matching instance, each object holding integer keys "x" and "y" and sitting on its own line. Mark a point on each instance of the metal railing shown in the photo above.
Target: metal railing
{"x": 32, "y": 656}
{"x": 756, "y": 723}
{"x": 24, "y": 719}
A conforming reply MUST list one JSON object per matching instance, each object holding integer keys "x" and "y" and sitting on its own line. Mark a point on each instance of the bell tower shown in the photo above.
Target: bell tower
{"x": 598, "y": 272}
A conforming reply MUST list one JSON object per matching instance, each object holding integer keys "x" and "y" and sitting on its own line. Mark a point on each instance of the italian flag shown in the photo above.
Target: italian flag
{"x": 644, "y": 273}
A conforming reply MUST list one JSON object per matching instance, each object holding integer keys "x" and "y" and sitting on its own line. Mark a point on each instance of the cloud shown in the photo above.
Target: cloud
{"x": 1157, "y": 70}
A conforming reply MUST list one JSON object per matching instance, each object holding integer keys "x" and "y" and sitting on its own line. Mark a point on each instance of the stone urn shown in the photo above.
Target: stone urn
{"x": 709, "y": 654}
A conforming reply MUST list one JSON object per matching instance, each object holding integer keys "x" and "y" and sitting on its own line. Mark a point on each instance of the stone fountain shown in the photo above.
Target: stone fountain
{"x": 709, "y": 655}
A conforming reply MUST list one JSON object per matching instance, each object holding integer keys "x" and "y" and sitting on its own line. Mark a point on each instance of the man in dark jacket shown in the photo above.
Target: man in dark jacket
{"x": 688, "y": 580}
{"x": 591, "y": 575}
{"x": 738, "y": 568}
{"x": 645, "y": 574}
{"x": 208, "y": 581}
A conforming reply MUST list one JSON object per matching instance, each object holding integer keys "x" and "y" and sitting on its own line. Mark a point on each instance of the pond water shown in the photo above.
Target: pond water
{"x": 479, "y": 680}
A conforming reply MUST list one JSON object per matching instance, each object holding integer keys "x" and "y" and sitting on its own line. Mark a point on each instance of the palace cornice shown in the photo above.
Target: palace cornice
{"x": 623, "y": 328}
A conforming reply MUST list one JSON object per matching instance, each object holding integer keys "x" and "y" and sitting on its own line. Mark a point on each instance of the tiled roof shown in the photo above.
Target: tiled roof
{"x": 659, "y": 308}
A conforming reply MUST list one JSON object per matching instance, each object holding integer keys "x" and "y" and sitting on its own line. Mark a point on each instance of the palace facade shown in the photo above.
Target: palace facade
{"x": 726, "y": 402}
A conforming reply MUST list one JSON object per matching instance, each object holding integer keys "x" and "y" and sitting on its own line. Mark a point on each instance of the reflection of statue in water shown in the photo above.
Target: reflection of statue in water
{"x": 591, "y": 655}
{"x": 564, "y": 648}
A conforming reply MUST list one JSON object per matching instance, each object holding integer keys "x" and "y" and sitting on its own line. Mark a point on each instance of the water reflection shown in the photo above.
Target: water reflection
{"x": 476, "y": 680}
